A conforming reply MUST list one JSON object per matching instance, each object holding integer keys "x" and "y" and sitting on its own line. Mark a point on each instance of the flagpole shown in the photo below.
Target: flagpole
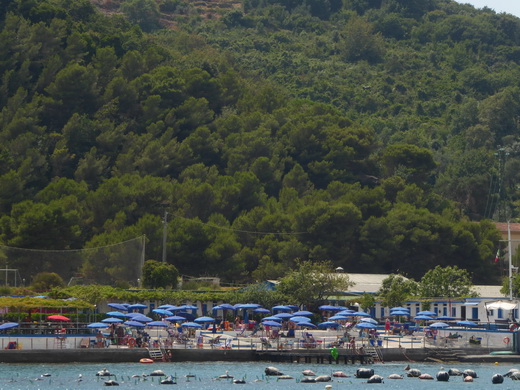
{"x": 510, "y": 261}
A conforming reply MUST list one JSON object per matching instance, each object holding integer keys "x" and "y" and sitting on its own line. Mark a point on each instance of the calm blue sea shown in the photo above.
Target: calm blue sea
{"x": 67, "y": 376}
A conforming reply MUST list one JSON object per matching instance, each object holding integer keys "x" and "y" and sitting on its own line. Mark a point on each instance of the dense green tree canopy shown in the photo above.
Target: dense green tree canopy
{"x": 310, "y": 282}
{"x": 159, "y": 275}
{"x": 371, "y": 134}
{"x": 449, "y": 282}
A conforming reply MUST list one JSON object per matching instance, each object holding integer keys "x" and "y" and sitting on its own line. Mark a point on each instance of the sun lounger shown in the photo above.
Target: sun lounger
{"x": 265, "y": 343}
{"x": 85, "y": 343}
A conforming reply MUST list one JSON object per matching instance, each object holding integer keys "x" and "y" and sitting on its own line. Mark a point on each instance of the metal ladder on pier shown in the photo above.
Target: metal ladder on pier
{"x": 374, "y": 353}
{"x": 156, "y": 354}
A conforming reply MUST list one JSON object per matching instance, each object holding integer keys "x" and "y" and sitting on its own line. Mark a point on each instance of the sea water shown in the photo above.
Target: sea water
{"x": 203, "y": 376}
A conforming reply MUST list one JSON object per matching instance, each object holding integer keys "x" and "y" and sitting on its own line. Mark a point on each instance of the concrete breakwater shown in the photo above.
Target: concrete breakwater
{"x": 119, "y": 355}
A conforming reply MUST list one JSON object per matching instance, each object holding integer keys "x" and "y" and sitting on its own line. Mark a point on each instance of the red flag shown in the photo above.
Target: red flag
{"x": 497, "y": 257}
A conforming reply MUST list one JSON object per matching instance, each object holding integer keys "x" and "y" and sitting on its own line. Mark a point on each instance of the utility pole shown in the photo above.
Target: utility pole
{"x": 165, "y": 232}
{"x": 509, "y": 249}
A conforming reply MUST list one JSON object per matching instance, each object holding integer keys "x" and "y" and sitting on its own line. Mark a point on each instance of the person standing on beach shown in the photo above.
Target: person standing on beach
{"x": 387, "y": 326}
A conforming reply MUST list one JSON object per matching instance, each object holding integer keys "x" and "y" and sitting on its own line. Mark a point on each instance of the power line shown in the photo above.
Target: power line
{"x": 71, "y": 250}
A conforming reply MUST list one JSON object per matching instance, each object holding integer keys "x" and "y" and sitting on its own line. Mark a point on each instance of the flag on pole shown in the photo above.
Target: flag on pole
{"x": 497, "y": 257}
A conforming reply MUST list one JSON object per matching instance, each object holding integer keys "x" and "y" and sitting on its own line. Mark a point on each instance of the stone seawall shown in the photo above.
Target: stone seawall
{"x": 177, "y": 355}
{"x": 120, "y": 355}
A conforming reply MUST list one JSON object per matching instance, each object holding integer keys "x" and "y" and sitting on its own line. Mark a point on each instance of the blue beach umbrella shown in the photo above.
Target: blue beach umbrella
{"x": 284, "y": 316}
{"x": 328, "y": 324}
{"x": 272, "y": 318}
{"x": 191, "y": 325}
{"x": 427, "y": 313}
{"x": 158, "y": 324}
{"x": 361, "y": 314}
{"x": 423, "y": 318}
{"x": 118, "y": 306}
{"x": 135, "y": 324}
{"x": 338, "y": 317}
{"x": 175, "y": 318}
{"x": 400, "y": 308}
{"x": 303, "y": 313}
{"x": 346, "y": 312}
{"x": 330, "y": 308}
{"x": 162, "y": 312}
{"x": 272, "y": 323}
{"x": 466, "y": 323}
{"x": 96, "y": 325}
{"x": 247, "y": 306}
{"x": 227, "y": 306}
{"x": 137, "y": 306}
{"x": 366, "y": 325}
{"x": 281, "y": 308}
{"x": 116, "y": 314}
{"x": 445, "y": 318}
{"x": 165, "y": 307}
{"x": 299, "y": 319}
{"x": 203, "y": 320}
{"x": 175, "y": 308}
{"x": 189, "y": 307}
{"x": 399, "y": 313}
{"x": 112, "y": 320}
{"x": 261, "y": 310}
{"x": 439, "y": 325}
{"x": 305, "y": 324}
{"x": 9, "y": 325}
{"x": 369, "y": 320}
{"x": 142, "y": 318}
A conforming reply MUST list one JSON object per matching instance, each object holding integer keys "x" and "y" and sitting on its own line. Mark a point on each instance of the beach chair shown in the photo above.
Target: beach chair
{"x": 255, "y": 330}
{"x": 266, "y": 344}
{"x": 241, "y": 331}
{"x": 215, "y": 342}
{"x": 85, "y": 343}
{"x": 227, "y": 344}
{"x": 309, "y": 341}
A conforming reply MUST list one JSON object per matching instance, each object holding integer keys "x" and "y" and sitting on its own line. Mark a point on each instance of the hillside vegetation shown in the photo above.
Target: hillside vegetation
{"x": 372, "y": 133}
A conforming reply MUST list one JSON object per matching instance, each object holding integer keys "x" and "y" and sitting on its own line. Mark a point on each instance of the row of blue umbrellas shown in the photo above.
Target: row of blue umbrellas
{"x": 139, "y": 306}
{"x": 137, "y": 324}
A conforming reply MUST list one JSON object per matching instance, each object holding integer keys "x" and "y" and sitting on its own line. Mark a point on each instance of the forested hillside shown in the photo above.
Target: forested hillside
{"x": 372, "y": 133}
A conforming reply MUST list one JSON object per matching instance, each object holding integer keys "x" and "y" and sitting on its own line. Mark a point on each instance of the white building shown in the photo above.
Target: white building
{"x": 474, "y": 309}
